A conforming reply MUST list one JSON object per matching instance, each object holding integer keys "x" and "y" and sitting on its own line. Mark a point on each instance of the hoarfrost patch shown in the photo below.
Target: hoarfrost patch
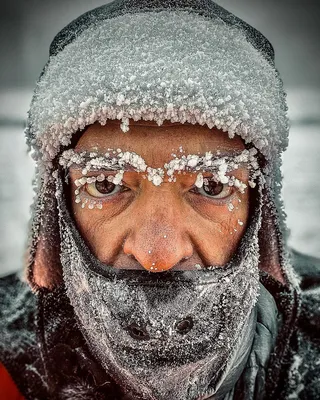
{"x": 168, "y": 65}
{"x": 115, "y": 160}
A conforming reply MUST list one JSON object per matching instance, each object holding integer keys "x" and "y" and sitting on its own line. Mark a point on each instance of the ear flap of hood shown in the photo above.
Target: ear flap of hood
{"x": 183, "y": 61}
{"x": 43, "y": 253}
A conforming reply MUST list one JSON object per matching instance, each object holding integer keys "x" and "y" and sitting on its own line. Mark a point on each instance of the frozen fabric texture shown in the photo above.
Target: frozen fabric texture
{"x": 18, "y": 339}
{"x": 42, "y": 348}
{"x": 56, "y": 363}
{"x": 203, "y": 7}
{"x": 167, "y": 65}
{"x": 252, "y": 384}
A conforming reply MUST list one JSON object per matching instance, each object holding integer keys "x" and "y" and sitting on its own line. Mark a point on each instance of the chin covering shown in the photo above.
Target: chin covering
{"x": 182, "y": 61}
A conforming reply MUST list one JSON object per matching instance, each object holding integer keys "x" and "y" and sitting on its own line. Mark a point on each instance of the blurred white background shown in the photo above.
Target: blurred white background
{"x": 26, "y": 30}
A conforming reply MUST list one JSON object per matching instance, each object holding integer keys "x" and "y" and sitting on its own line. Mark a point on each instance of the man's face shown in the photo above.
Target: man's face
{"x": 174, "y": 225}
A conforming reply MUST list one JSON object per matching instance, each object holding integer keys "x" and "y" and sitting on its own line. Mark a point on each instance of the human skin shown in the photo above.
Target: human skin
{"x": 164, "y": 227}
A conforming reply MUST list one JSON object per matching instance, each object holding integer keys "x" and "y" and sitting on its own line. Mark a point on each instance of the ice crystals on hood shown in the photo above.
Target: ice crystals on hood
{"x": 167, "y": 65}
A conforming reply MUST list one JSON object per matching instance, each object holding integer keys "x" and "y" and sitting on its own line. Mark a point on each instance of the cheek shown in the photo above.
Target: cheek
{"x": 101, "y": 236}
{"x": 92, "y": 227}
{"x": 228, "y": 213}
{"x": 217, "y": 231}
{"x": 232, "y": 228}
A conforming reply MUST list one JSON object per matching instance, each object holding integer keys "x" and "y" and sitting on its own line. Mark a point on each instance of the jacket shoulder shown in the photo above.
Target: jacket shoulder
{"x": 305, "y": 369}
{"x": 17, "y": 306}
{"x": 17, "y": 322}
{"x": 308, "y": 268}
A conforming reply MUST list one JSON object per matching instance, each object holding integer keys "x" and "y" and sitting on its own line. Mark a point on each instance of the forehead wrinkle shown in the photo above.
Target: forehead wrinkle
{"x": 164, "y": 137}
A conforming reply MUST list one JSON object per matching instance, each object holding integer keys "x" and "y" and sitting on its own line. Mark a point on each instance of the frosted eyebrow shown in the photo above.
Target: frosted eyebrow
{"x": 218, "y": 164}
{"x": 226, "y": 156}
{"x": 119, "y": 160}
{"x": 112, "y": 167}
{"x": 111, "y": 160}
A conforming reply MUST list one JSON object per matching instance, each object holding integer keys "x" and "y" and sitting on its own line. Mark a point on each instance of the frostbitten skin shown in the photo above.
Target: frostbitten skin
{"x": 164, "y": 227}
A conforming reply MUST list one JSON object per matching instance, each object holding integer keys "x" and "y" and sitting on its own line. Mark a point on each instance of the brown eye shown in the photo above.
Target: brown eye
{"x": 102, "y": 189}
{"x": 213, "y": 189}
{"x": 105, "y": 187}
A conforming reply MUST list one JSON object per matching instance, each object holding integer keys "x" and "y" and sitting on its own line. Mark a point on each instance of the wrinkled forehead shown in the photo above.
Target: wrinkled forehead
{"x": 157, "y": 143}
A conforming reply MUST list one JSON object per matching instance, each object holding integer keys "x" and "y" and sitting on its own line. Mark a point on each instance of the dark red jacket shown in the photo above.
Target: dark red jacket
{"x": 8, "y": 389}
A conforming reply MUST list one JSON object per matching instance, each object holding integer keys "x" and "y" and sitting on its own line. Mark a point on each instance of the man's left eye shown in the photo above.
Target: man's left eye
{"x": 102, "y": 189}
{"x": 215, "y": 190}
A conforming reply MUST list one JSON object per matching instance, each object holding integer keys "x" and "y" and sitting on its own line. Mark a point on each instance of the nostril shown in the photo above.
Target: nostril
{"x": 184, "y": 326}
{"x": 138, "y": 332}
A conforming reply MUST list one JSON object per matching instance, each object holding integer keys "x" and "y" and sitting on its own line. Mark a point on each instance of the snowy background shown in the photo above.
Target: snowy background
{"x": 26, "y": 30}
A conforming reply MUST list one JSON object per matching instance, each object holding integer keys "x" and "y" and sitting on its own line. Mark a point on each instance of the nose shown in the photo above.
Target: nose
{"x": 157, "y": 240}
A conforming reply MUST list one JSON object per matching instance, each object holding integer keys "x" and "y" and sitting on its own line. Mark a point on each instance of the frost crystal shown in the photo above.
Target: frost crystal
{"x": 155, "y": 175}
{"x": 167, "y": 65}
{"x": 218, "y": 165}
{"x": 199, "y": 181}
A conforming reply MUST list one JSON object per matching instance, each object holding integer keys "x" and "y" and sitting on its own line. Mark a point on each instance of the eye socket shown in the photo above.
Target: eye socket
{"x": 214, "y": 189}
{"x": 102, "y": 189}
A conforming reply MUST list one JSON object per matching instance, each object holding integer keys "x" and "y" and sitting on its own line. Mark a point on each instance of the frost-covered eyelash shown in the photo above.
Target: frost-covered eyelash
{"x": 117, "y": 160}
{"x": 219, "y": 166}
{"x": 224, "y": 179}
{"x": 84, "y": 180}
{"x": 116, "y": 180}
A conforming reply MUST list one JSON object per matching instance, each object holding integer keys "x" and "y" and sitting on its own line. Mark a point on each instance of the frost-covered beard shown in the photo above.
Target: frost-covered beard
{"x": 182, "y": 335}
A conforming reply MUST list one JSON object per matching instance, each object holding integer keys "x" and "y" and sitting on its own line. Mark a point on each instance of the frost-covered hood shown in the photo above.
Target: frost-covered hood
{"x": 156, "y": 63}
{"x": 183, "y": 61}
